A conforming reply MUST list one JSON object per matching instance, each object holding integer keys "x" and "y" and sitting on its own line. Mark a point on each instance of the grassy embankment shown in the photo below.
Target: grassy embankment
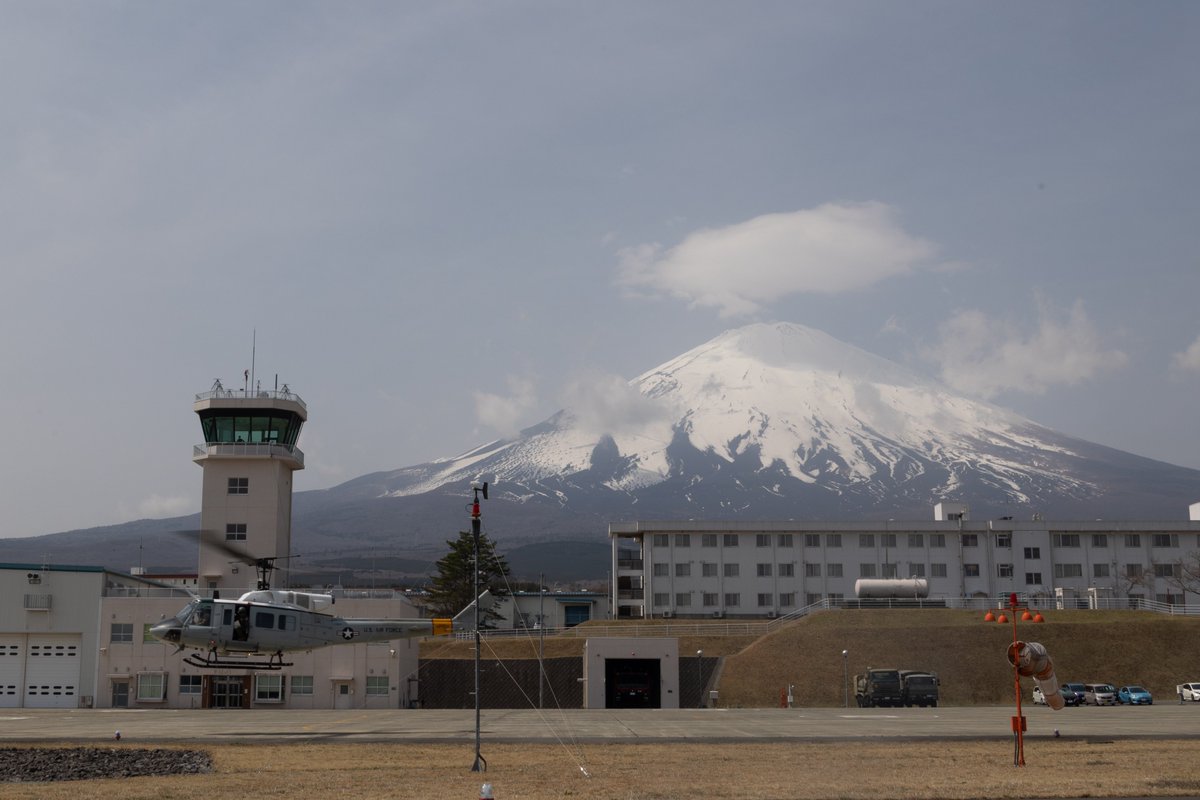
{"x": 1119, "y": 647}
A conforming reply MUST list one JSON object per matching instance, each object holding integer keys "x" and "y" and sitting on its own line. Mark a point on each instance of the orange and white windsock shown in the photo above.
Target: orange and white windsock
{"x": 1032, "y": 661}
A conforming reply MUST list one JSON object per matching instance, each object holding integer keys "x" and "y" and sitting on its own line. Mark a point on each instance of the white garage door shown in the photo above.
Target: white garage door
{"x": 52, "y": 671}
{"x": 12, "y": 669}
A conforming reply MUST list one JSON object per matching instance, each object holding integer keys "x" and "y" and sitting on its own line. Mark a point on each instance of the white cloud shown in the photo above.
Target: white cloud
{"x": 504, "y": 414}
{"x": 1188, "y": 360}
{"x": 157, "y": 507}
{"x": 608, "y": 404}
{"x": 741, "y": 268}
{"x": 986, "y": 356}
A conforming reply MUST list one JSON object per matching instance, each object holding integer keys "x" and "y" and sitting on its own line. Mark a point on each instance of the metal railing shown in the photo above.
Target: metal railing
{"x": 698, "y": 626}
{"x": 248, "y": 449}
{"x": 243, "y": 394}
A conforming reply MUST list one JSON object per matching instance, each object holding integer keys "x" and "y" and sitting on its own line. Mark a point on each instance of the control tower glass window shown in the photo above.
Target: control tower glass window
{"x": 222, "y": 427}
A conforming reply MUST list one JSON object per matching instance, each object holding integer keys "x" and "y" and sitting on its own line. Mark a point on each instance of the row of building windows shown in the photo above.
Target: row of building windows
{"x": 814, "y": 570}
{"x": 152, "y": 686}
{"x": 728, "y": 599}
{"x": 914, "y": 540}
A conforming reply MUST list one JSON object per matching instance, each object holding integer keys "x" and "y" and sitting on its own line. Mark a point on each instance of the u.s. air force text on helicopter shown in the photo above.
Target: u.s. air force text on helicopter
{"x": 268, "y": 623}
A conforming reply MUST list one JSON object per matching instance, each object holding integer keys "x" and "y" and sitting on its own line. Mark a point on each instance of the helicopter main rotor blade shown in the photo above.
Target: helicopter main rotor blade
{"x": 213, "y": 539}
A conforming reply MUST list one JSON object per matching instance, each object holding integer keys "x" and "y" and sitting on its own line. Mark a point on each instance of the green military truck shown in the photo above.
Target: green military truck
{"x": 919, "y": 688}
{"x": 878, "y": 687}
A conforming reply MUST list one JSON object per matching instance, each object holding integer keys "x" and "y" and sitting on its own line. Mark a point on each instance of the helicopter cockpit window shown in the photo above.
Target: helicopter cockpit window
{"x": 264, "y": 619}
{"x": 201, "y": 615}
{"x": 185, "y": 616}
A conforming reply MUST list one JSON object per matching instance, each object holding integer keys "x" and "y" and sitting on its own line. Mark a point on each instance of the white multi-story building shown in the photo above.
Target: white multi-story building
{"x": 765, "y": 569}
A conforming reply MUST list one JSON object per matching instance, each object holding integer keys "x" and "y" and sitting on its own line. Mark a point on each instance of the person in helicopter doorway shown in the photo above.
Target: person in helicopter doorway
{"x": 241, "y": 624}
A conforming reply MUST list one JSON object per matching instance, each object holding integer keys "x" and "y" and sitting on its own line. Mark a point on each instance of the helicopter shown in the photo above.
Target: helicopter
{"x": 259, "y": 627}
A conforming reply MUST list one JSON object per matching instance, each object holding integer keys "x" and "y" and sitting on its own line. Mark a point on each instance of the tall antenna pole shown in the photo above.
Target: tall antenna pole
{"x": 480, "y": 764}
{"x": 541, "y": 635}
{"x": 253, "y": 353}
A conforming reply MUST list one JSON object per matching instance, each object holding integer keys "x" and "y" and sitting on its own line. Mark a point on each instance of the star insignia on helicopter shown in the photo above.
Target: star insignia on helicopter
{"x": 347, "y": 633}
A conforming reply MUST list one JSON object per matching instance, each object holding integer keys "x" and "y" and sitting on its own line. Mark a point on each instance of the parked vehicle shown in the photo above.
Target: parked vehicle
{"x": 878, "y": 687}
{"x": 1078, "y": 688}
{"x": 1134, "y": 696}
{"x": 1188, "y": 691}
{"x": 1069, "y": 696}
{"x": 919, "y": 688}
{"x": 1099, "y": 694}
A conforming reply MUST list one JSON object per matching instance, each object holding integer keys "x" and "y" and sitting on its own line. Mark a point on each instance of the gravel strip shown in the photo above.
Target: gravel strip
{"x": 35, "y": 764}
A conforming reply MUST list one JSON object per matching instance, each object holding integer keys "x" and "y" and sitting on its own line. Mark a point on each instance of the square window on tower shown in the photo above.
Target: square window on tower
{"x": 239, "y": 486}
{"x": 235, "y": 532}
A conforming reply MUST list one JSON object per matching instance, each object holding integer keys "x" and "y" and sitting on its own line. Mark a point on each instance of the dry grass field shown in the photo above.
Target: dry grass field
{"x": 854, "y": 770}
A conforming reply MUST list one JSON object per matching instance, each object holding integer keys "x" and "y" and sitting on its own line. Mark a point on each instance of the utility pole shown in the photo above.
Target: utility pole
{"x": 480, "y": 764}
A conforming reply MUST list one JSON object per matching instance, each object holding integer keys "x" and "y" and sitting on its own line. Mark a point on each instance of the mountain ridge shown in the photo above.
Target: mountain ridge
{"x": 771, "y": 421}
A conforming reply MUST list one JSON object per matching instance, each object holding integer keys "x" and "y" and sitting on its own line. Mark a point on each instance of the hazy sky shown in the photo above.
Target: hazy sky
{"x": 440, "y": 219}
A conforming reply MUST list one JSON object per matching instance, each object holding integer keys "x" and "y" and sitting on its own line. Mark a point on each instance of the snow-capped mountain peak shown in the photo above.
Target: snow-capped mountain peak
{"x": 773, "y": 419}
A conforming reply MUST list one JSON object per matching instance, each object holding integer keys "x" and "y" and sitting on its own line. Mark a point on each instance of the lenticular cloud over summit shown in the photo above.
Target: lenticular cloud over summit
{"x": 781, "y": 420}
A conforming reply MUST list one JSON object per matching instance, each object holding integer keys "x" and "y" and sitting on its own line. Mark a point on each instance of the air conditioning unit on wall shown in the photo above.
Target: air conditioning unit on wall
{"x": 666, "y": 615}
{"x": 718, "y": 614}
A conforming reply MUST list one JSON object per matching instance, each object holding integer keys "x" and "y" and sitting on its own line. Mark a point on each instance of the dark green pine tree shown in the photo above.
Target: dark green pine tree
{"x": 453, "y": 586}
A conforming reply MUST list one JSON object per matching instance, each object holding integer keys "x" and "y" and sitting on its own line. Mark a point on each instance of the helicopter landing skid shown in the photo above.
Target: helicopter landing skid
{"x": 213, "y": 660}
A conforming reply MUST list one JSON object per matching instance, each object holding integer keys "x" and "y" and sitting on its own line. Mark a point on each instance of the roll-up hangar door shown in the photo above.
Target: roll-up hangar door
{"x": 12, "y": 669}
{"x": 52, "y": 671}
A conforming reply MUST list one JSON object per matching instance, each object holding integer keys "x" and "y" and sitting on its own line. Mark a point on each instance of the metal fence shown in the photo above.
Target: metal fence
{"x": 761, "y": 627}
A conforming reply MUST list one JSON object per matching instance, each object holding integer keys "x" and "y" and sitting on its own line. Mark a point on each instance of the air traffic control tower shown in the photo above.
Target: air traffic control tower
{"x": 248, "y": 457}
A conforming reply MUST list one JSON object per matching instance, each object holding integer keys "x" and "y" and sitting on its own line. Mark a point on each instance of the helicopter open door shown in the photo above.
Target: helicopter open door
{"x": 241, "y": 622}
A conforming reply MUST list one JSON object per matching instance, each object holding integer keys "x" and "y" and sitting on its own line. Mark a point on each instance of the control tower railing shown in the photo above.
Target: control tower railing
{"x": 221, "y": 393}
{"x": 248, "y": 449}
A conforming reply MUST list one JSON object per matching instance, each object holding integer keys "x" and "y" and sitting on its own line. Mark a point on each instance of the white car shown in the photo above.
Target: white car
{"x": 1069, "y": 697}
{"x": 1188, "y": 691}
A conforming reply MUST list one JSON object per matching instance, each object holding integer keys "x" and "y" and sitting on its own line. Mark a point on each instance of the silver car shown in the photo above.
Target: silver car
{"x": 1099, "y": 694}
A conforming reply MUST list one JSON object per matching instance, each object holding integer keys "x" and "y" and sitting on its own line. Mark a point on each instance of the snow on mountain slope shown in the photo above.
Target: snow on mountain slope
{"x": 785, "y": 402}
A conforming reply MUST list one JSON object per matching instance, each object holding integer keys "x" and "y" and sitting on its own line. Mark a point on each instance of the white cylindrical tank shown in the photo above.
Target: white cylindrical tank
{"x": 891, "y": 587}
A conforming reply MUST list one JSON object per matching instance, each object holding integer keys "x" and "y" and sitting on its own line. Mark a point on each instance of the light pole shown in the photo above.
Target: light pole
{"x": 846, "y": 678}
{"x": 700, "y": 677}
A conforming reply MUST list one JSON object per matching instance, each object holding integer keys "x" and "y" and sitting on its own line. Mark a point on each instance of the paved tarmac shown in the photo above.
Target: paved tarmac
{"x": 601, "y": 725}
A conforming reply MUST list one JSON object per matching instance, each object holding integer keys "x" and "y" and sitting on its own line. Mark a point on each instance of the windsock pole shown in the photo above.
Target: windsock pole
{"x": 1018, "y": 722}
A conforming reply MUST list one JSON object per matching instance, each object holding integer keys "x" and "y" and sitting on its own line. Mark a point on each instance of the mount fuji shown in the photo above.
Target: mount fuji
{"x": 765, "y": 422}
{"x": 781, "y": 421}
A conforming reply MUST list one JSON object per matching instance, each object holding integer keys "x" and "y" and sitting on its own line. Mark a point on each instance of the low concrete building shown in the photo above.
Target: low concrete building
{"x": 53, "y": 645}
{"x": 78, "y": 637}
